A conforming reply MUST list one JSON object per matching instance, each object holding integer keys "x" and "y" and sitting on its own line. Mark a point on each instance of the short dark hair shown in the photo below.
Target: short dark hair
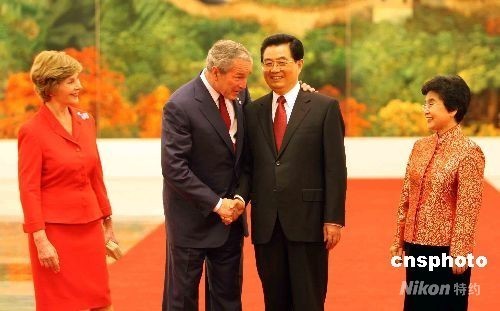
{"x": 296, "y": 47}
{"x": 454, "y": 92}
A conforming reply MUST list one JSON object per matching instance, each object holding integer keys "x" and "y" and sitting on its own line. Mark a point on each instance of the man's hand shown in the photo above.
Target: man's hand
{"x": 331, "y": 235}
{"x": 306, "y": 87}
{"x": 239, "y": 208}
{"x": 226, "y": 211}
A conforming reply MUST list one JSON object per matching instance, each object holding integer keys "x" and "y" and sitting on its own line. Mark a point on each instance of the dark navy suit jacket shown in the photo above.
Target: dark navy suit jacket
{"x": 199, "y": 165}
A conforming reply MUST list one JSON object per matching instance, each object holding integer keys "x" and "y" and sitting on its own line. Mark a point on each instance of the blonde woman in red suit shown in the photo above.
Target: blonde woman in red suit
{"x": 64, "y": 200}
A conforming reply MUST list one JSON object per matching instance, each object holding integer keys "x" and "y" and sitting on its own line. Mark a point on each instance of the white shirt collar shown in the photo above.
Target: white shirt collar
{"x": 290, "y": 97}
{"x": 215, "y": 95}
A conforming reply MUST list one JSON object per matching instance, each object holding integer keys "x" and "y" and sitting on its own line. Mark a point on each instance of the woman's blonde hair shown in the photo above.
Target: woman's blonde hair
{"x": 49, "y": 69}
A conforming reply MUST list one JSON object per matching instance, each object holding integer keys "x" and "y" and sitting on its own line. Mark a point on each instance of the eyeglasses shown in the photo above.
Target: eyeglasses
{"x": 282, "y": 63}
{"x": 427, "y": 105}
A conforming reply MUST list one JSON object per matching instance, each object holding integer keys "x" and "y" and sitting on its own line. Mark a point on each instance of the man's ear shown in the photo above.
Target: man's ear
{"x": 216, "y": 71}
{"x": 300, "y": 64}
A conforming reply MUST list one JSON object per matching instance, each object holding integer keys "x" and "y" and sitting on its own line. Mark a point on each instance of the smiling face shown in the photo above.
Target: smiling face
{"x": 439, "y": 119}
{"x": 231, "y": 82}
{"x": 284, "y": 72}
{"x": 67, "y": 91}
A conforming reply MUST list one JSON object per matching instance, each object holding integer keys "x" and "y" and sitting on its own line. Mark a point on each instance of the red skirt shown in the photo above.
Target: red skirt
{"x": 83, "y": 281}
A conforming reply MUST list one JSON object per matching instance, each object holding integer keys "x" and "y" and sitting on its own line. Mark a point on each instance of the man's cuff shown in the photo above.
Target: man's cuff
{"x": 239, "y": 197}
{"x": 219, "y": 204}
{"x": 332, "y": 224}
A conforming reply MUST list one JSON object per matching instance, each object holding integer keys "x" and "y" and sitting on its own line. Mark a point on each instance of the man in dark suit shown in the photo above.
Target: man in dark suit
{"x": 295, "y": 175}
{"x": 202, "y": 143}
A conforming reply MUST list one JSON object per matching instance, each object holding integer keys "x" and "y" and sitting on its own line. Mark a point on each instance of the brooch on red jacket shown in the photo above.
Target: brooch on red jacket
{"x": 83, "y": 115}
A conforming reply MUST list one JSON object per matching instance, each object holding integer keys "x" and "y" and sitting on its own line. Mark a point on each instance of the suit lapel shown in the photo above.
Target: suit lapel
{"x": 77, "y": 124}
{"x": 240, "y": 134}
{"x": 57, "y": 127}
{"x": 266, "y": 121}
{"x": 300, "y": 110}
{"x": 209, "y": 109}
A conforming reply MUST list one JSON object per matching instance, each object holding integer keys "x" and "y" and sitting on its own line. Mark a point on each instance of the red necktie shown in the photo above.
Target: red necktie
{"x": 223, "y": 112}
{"x": 279, "y": 125}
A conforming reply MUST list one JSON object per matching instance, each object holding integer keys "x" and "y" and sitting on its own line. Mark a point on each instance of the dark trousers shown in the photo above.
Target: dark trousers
{"x": 208, "y": 303}
{"x": 455, "y": 299}
{"x": 294, "y": 275}
{"x": 184, "y": 268}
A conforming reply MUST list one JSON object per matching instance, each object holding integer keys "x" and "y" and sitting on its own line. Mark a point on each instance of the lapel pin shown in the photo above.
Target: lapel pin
{"x": 83, "y": 115}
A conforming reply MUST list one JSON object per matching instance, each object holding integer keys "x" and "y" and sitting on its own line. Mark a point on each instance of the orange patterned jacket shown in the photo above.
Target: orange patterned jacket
{"x": 442, "y": 193}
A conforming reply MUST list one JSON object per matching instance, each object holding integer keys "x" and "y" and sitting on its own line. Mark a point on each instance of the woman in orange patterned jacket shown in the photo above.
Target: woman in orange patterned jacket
{"x": 440, "y": 200}
{"x": 66, "y": 208}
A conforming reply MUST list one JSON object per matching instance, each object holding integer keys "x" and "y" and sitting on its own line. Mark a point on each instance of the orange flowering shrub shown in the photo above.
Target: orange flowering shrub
{"x": 352, "y": 111}
{"x": 100, "y": 96}
{"x": 19, "y": 104}
{"x": 149, "y": 112}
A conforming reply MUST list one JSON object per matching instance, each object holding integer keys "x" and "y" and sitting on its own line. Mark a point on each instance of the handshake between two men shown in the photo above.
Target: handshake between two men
{"x": 230, "y": 210}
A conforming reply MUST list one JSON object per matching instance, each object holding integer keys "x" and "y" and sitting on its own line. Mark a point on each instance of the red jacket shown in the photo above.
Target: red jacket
{"x": 60, "y": 175}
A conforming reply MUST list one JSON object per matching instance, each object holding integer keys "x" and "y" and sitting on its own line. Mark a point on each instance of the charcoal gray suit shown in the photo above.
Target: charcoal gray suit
{"x": 294, "y": 191}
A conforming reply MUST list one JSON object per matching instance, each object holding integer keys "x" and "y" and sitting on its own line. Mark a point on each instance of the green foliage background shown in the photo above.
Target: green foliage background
{"x": 152, "y": 42}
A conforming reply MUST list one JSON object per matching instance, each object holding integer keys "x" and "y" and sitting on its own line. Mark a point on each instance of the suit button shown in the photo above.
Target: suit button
{"x": 274, "y": 190}
{"x": 278, "y": 163}
{"x": 77, "y": 149}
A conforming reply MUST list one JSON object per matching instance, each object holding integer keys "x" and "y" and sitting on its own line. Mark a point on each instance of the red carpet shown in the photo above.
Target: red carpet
{"x": 360, "y": 276}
